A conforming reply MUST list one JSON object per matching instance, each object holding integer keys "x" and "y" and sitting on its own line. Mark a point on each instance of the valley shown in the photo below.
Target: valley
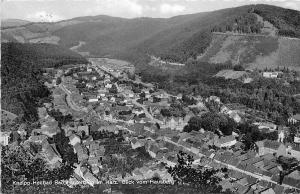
{"x": 198, "y": 103}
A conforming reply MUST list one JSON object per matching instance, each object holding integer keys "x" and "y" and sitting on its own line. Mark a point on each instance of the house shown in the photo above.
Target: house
{"x": 266, "y": 125}
{"x": 137, "y": 175}
{"x": 294, "y": 151}
{"x": 153, "y": 149}
{"x": 267, "y": 146}
{"x": 90, "y": 178}
{"x": 90, "y": 85}
{"x": 81, "y": 151}
{"x": 74, "y": 139}
{"x": 226, "y": 141}
{"x": 214, "y": 99}
{"x": 4, "y": 138}
{"x": 297, "y": 139}
{"x": 22, "y": 130}
{"x": 102, "y": 93}
{"x": 294, "y": 119}
{"x": 49, "y": 126}
{"x": 108, "y": 85}
{"x": 274, "y": 147}
{"x": 136, "y": 143}
{"x": 235, "y": 116}
{"x": 84, "y": 129}
{"x": 51, "y": 154}
{"x": 271, "y": 74}
{"x": 93, "y": 99}
{"x": 69, "y": 130}
{"x": 96, "y": 150}
{"x": 95, "y": 170}
{"x": 292, "y": 179}
{"x": 281, "y": 136}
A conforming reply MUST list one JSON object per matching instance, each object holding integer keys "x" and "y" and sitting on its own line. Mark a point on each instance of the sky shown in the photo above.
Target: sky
{"x": 55, "y": 10}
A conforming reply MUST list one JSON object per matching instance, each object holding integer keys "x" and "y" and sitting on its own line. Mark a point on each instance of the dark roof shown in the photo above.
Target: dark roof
{"x": 272, "y": 144}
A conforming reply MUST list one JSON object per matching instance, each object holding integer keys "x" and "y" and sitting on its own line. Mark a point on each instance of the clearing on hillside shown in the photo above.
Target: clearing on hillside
{"x": 253, "y": 51}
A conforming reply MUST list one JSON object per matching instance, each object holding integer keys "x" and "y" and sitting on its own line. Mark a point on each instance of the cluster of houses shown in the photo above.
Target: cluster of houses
{"x": 139, "y": 113}
{"x": 163, "y": 144}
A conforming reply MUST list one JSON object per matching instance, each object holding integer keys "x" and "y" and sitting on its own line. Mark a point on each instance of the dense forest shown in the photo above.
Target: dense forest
{"x": 246, "y": 23}
{"x": 21, "y": 74}
{"x": 286, "y": 20}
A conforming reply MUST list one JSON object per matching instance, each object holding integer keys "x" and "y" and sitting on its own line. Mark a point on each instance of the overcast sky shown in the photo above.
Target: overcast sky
{"x": 54, "y": 10}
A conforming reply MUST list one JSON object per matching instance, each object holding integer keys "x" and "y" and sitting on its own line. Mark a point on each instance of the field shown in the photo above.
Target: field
{"x": 230, "y": 74}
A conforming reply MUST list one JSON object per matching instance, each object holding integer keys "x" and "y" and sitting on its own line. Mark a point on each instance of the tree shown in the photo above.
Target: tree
{"x": 113, "y": 89}
{"x": 142, "y": 95}
{"x": 212, "y": 121}
{"x": 58, "y": 80}
{"x": 18, "y": 164}
{"x": 199, "y": 178}
{"x": 238, "y": 68}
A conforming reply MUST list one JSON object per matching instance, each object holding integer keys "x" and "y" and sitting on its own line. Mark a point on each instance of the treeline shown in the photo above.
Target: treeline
{"x": 180, "y": 79}
{"x": 287, "y": 21}
{"x": 22, "y": 75}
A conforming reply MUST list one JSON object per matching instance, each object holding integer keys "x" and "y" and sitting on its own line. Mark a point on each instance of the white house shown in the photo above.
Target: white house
{"x": 108, "y": 85}
{"x": 294, "y": 119}
{"x": 296, "y": 139}
{"x": 4, "y": 138}
{"x": 74, "y": 139}
{"x": 265, "y": 125}
{"x": 93, "y": 100}
{"x": 281, "y": 136}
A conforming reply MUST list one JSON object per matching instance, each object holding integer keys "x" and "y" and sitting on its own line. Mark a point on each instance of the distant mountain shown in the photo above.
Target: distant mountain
{"x": 173, "y": 39}
{"x": 13, "y": 23}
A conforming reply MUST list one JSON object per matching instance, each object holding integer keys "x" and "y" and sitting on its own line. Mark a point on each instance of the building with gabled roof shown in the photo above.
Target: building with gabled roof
{"x": 51, "y": 154}
{"x": 226, "y": 141}
{"x": 74, "y": 139}
{"x": 268, "y": 191}
{"x": 81, "y": 151}
{"x": 90, "y": 178}
{"x": 136, "y": 143}
{"x": 152, "y": 150}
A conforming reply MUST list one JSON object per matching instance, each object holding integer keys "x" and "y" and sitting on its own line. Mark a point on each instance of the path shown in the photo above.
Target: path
{"x": 70, "y": 102}
{"x": 146, "y": 111}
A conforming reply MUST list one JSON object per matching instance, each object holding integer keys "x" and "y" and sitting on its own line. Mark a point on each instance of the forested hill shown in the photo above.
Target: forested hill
{"x": 287, "y": 21}
{"x": 44, "y": 55}
{"x": 21, "y": 74}
{"x": 174, "y": 39}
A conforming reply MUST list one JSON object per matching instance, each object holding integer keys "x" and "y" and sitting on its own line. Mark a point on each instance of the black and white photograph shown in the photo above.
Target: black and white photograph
{"x": 150, "y": 97}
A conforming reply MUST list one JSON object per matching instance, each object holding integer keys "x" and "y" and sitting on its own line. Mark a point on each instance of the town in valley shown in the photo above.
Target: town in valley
{"x": 95, "y": 105}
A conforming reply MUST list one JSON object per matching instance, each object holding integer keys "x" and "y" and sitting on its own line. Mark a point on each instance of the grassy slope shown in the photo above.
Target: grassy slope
{"x": 253, "y": 51}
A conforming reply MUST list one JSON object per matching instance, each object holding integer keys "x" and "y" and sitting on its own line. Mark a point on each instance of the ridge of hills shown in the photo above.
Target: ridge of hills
{"x": 175, "y": 39}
